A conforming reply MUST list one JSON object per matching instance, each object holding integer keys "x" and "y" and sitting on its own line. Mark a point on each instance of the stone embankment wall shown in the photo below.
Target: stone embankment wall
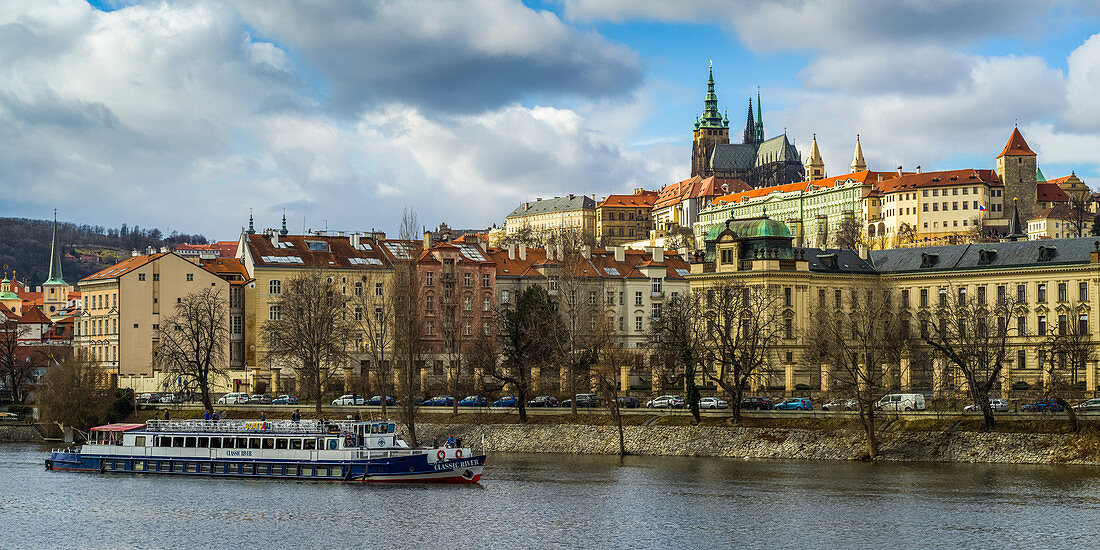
{"x": 776, "y": 443}
{"x": 19, "y": 432}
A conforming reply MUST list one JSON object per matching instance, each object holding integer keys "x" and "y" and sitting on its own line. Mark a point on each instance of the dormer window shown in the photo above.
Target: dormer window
{"x": 985, "y": 257}
{"x": 1046, "y": 253}
{"x": 928, "y": 260}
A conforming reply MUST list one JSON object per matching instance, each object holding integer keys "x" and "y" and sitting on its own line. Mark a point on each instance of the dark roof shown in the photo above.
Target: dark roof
{"x": 733, "y": 156}
{"x": 315, "y": 251}
{"x": 557, "y": 204}
{"x": 835, "y": 260}
{"x": 985, "y": 255}
{"x": 776, "y": 149}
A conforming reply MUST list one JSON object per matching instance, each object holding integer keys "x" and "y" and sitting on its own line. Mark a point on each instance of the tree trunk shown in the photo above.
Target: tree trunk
{"x": 521, "y": 397}
{"x": 987, "y": 414}
{"x": 1074, "y": 426}
{"x": 867, "y": 418}
{"x": 384, "y": 373}
{"x": 736, "y": 405}
{"x": 692, "y": 395}
{"x": 619, "y": 420}
{"x": 317, "y": 390}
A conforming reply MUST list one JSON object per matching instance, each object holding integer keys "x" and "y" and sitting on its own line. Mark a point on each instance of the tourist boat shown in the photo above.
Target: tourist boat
{"x": 349, "y": 451}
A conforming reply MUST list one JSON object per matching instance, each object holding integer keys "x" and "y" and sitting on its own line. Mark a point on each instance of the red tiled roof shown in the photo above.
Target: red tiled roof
{"x": 226, "y": 249}
{"x": 698, "y": 187}
{"x": 1050, "y": 192}
{"x": 864, "y": 177}
{"x": 328, "y": 251}
{"x": 230, "y": 269}
{"x": 939, "y": 178}
{"x": 34, "y": 316}
{"x": 644, "y": 199}
{"x": 1058, "y": 212}
{"x": 124, "y": 267}
{"x": 597, "y": 264}
{"x": 1016, "y": 146}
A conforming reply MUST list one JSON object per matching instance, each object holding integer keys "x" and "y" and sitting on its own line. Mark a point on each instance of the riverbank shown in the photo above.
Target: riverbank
{"x": 13, "y": 432}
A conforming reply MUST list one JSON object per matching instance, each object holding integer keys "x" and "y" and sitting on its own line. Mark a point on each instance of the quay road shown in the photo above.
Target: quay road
{"x": 307, "y": 409}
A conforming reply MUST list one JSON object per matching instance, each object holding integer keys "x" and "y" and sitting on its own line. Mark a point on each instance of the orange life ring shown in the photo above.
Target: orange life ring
{"x": 441, "y": 454}
{"x": 458, "y": 453}
{"x": 349, "y": 440}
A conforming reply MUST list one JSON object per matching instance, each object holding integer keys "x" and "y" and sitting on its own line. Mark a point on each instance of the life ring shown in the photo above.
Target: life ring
{"x": 349, "y": 440}
{"x": 458, "y": 453}
{"x": 441, "y": 454}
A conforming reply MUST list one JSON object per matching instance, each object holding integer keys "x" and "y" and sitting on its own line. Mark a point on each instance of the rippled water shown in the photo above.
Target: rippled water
{"x": 562, "y": 501}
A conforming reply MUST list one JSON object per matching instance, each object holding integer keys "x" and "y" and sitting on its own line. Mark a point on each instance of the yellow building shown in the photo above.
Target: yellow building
{"x": 123, "y": 306}
{"x": 543, "y": 217}
{"x": 625, "y": 218}
{"x": 1055, "y": 281}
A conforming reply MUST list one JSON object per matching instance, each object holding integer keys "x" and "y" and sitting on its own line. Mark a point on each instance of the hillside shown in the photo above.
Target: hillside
{"x": 85, "y": 249}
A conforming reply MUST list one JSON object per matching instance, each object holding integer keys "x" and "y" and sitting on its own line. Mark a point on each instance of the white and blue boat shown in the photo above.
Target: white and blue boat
{"x": 359, "y": 451}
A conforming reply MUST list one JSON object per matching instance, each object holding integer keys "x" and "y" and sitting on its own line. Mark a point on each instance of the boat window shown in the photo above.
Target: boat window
{"x": 227, "y": 443}
{"x": 261, "y": 469}
{"x": 215, "y": 442}
{"x": 189, "y": 442}
{"x": 296, "y": 444}
{"x": 253, "y": 443}
{"x": 322, "y": 471}
{"x": 234, "y": 468}
{"x": 310, "y": 444}
{"x": 204, "y": 467}
{"x": 269, "y": 443}
{"x": 374, "y": 428}
{"x": 307, "y": 470}
{"x": 333, "y": 444}
{"x": 246, "y": 468}
{"x": 139, "y": 441}
{"x": 177, "y": 466}
{"x": 280, "y": 443}
{"x": 177, "y": 442}
{"x": 192, "y": 467}
{"x": 204, "y": 442}
{"x": 393, "y": 428}
{"x": 219, "y": 468}
{"x": 139, "y": 465}
{"x": 242, "y": 442}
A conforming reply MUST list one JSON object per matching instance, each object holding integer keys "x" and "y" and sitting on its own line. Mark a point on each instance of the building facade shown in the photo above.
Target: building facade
{"x": 624, "y": 218}
{"x": 544, "y": 217}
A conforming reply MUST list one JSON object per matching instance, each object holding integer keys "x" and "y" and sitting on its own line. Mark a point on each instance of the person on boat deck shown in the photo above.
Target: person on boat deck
{"x": 450, "y": 441}
{"x": 206, "y": 415}
{"x": 166, "y": 415}
{"x": 296, "y": 416}
{"x": 357, "y": 416}
{"x": 263, "y": 415}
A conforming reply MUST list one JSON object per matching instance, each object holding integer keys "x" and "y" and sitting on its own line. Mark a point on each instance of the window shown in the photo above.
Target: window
{"x": 358, "y": 313}
{"x": 656, "y": 312}
{"x": 962, "y": 296}
{"x": 190, "y": 276}
{"x": 787, "y": 298}
{"x": 926, "y": 209}
{"x": 429, "y": 328}
{"x": 1041, "y": 291}
{"x": 836, "y": 298}
{"x": 358, "y": 288}
{"x": 486, "y": 280}
{"x": 638, "y": 323}
{"x": 656, "y": 285}
{"x": 981, "y": 295}
{"x": 467, "y": 279}
{"x": 1021, "y": 294}
{"x": 486, "y": 304}
{"x": 505, "y": 297}
{"x": 141, "y": 276}
{"x": 552, "y": 282}
{"x": 156, "y": 276}
{"x": 275, "y": 287}
{"x": 429, "y": 303}
{"x": 236, "y": 324}
{"x": 1063, "y": 292}
{"x": 943, "y": 297}
{"x": 466, "y": 329}
{"x": 1083, "y": 291}
{"x": 274, "y": 313}
{"x": 621, "y": 297}
{"x": 821, "y": 297}
{"x": 905, "y": 298}
{"x": 638, "y": 298}
{"x": 429, "y": 279}
{"x": 622, "y": 324}
{"x": 788, "y": 328}
{"x": 1083, "y": 324}
{"x": 467, "y": 304}
{"x": 1041, "y": 330}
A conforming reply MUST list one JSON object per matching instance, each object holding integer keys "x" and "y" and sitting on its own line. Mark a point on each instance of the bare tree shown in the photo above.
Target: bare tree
{"x": 849, "y": 234}
{"x": 1079, "y": 216}
{"x": 906, "y": 234}
{"x": 578, "y": 292}
{"x": 744, "y": 323}
{"x": 677, "y": 338}
{"x": 607, "y": 375}
{"x": 192, "y": 343}
{"x": 525, "y": 335}
{"x": 75, "y": 393}
{"x": 1067, "y": 350}
{"x": 408, "y": 325}
{"x": 973, "y": 337}
{"x": 859, "y": 344}
{"x": 310, "y": 329}
{"x": 16, "y": 366}
{"x": 374, "y": 304}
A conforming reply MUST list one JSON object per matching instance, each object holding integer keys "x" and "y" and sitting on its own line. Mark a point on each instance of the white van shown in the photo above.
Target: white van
{"x": 901, "y": 402}
{"x": 233, "y": 398}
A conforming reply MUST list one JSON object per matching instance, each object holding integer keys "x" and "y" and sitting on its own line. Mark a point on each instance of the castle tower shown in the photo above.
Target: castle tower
{"x": 815, "y": 165}
{"x": 858, "y": 164}
{"x": 1018, "y": 169}
{"x": 55, "y": 291}
{"x": 710, "y": 130}
{"x": 749, "y": 135}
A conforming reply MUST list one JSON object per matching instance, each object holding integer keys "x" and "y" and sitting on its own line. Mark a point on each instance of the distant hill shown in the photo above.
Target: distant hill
{"x": 85, "y": 249}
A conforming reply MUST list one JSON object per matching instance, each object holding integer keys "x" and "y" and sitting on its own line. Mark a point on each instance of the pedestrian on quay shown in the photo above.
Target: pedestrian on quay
{"x": 296, "y": 416}
{"x": 206, "y": 415}
{"x": 166, "y": 415}
{"x": 214, "y": 416}
{"x": 358, "y": 417}
{"x": 263, "y": 415}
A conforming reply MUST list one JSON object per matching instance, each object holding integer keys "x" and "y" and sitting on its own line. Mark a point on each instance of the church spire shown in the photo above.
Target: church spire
{"x": 284, "y": 231}
{"x": 815, "y": 166}
{"x": 711, "y": 117}
{"x": 55, "y": 277}
{"x": 251, "y": 224}
{"x": 759, "y": 129}
{"x": 858, "y": 164}
{"x": 750, "y": 127}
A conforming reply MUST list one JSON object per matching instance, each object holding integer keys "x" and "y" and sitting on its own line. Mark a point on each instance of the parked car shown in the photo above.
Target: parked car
{"x": 170, "y": 398}
{"x": 349, "y": 400}
{"x": 901, "y": 402}
{"x": 474, "y": 401}
{"x": 260, "y": 398}
{"x": 376, "y": 401}
{"x": 666, "y": 402}
{"x": 628, "y": 402}
{"x": 1090, "y": 405}
{"x": 147, "y": 398}
{"x": 713, "y": 403}
{"x": 285, "y": 400}
{"x": 1043, "y": 405}
{"x": 841, "y": 405}
{"x": 543, "y": 401}
{"x": 234, "y": 398}
{"x": 438, "y": 401}
{"x": 507, "y": 401}
{"x": 795, "y": 404}
{"x": 584, "y": 401}
{"x": 998, "y": 405}
{"x": 756, "y": 403}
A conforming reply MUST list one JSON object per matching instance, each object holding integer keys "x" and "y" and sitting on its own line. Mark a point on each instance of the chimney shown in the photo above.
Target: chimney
{"x": 571, "y": 196}
{"x": 511, "y": 248}
{"x": 523, "y": 251}
{"x": 274, "y": 238}
{"x": 620, "y": 253}
{"x": 559, "y": 251}
{"x": 880, "y": 177}
{"x": 527, "y": 206}
{"x": 864, "y": 252}
{"x": 134, "y": 253}
{"x": 353, "y": 240}
{"x": 899, "y": 170}
{"x": 918, "y": 168}
{"x": 683, "y": 251}
{"x": 658, "y": 254}
{"x": 427, "y": 240}
{"x": 586, "y": 251}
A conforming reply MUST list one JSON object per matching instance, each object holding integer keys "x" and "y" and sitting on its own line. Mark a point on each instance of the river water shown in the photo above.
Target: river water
{"x": 563, "y": 501}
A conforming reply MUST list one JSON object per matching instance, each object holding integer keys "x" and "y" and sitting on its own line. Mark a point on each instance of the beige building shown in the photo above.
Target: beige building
{"x": 123, "y": 306}
{"x": 543, "y": 217}
{"x": 624, "y": 218}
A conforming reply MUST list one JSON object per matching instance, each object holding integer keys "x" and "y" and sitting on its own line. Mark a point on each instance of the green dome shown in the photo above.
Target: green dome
{"x": 760, "y": 227}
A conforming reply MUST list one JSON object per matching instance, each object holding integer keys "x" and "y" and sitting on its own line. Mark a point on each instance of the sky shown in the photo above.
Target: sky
{"x": 188, "y": 115}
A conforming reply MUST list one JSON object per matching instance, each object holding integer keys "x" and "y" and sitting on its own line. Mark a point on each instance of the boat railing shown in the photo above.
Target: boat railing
{"x": 272, "y": 426}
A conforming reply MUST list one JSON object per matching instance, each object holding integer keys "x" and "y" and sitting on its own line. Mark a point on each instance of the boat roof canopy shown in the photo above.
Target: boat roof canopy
{"x": 117, "y": 427}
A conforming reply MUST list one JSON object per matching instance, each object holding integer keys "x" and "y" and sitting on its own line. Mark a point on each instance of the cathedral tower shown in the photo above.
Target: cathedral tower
{"x": 858, "y": 164}
{"x": 1017, "y": 168}
{"x": 711, "y": 129}
{"x": 758, "y": 134}
{"x": 815, "y": 165}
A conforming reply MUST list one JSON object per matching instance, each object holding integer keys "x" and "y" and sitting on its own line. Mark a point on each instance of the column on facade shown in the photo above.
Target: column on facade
{"x": 826, "y": 378}
{"x": 479, "y": 381}
{"x": 536, "y": 379}
{"x": 276, "y": 381}
{"x": 624, "y": 378}
{"x": 939, "y": 378}
{"x": 655, "y": 380}
{"x": 788, "y": 378}
{"x": 1006, "y": 380}
{"x": 1090, "y": 377}
{"x": 889, "y": 375}
{"x": 347, "y": 378}
{"x": 905, "y": 375}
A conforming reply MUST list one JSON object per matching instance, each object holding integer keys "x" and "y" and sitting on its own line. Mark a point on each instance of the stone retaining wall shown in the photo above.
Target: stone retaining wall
{"x": 19, "y": 432}
{"x": 776, "y": 443}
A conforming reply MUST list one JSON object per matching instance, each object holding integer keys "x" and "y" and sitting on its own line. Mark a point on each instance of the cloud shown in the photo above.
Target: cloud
{"x": 444, "y": 56}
